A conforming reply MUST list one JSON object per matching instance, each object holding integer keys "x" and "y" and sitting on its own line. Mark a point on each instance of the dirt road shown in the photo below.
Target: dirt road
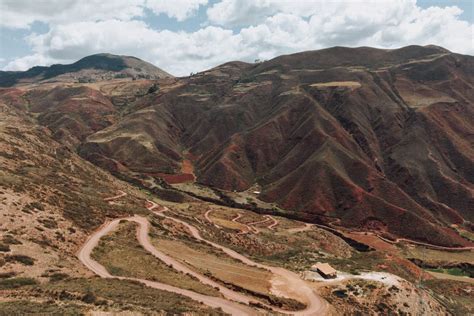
{"x": 289, "y": 283}
{"x": 121, "y": 194}
{"x": 275, "y": 222}
{"x": 286, "y": 283}
{"x": 414, "y": 242}
{"x": 249, "y": 228}
{"x": 84, "y": 256}
{"x": 206, "y": 216}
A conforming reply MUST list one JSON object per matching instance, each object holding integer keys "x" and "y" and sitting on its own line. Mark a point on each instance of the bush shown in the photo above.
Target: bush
{"x": 6, "y": 275}
{"x": 49, "y": 223}
{"x": 153, "y": 88}
{"x": 16, "y": 283}
{"x": 10, "y": 240}
{"x": 58, "y": 277}
{"x": 27, "y": 261}
{"x": 89, "y": 298}
{"x": 4, "y": 248}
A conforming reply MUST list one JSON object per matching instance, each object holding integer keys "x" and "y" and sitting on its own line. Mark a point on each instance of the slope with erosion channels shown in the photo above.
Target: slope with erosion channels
{"x": 379, "y": 139}
{"x": 50, "y": 201}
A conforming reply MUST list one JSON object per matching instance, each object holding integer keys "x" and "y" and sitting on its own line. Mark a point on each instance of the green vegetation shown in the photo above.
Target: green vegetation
{"x": 122, "y": 255}
{"x": 155, "y": 87}
{"x": 58, "y": 277}
{"x": 4, "y": 248}
{"x": 465, "y": 233}
{"x": 25, "y": 260}
{"x": 10, "y": 240}
{"x": 14, "y": 283}
{"x": 452, "y": 271}
{"x": 27, "y": 307}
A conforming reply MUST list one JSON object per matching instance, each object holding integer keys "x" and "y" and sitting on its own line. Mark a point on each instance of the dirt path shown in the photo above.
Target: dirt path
{"x": 249, "y": 228}
{"x": 254, "y": 227}
{"x": 143, "y": 238}
{"x": 235, "y": 219}
{"x": 398, "y": 240}
{"x": 215, "y": 302}
{"x": 275, "y": 222}
{"x": 288, "y": 283}
{"x": 121, "y": 194}
{"x": 206, "y": 216}
{"x": 85, "y": 252}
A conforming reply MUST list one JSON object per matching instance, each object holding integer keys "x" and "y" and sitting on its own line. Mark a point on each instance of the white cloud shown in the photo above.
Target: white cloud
{"x": 22, "y": 13}
{"x": 176, "y": 52}
{"x": 179, "y": 9}
{"x": 277, "y": 28}
{"x": 291, "y": 25}
{"x": 26, "y": 62}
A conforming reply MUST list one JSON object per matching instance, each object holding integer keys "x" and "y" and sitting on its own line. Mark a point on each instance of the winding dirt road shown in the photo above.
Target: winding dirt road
{"x": 121, "y": 194}
{"x": 275, "y": 222}
{"x": 288, "y": 283}
{"x": 249, "y": 228}
{"x": 206, "y": 215}
{"x": 215, "y": 302}
{"x": 419, "y": 243}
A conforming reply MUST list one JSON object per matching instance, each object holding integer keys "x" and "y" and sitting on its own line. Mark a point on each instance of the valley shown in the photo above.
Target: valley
{"x": 136, "y": 191}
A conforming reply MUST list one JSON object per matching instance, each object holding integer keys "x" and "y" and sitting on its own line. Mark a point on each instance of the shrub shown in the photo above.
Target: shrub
{"x": 153, "y": 88}
{"x": 58, "y": 277}
{"x": 49, "y": 223}
{"x": 6, "y": 275}
{"x": 340, "y": 293}
{"x": 10, "y": 240}
{"x": 27, "y": 261}
{"x": 89, "y": 298}
{"x": 4, "y": 248}
{"x": 16, "y": 283}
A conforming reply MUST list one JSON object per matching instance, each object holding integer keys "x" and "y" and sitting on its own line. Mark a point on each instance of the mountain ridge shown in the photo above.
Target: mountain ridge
{"x": 324, "y": 134}
{"x": 102, "y": 66}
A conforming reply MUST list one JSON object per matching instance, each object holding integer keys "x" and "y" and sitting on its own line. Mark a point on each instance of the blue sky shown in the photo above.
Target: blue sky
{"x": 181, "y": 36}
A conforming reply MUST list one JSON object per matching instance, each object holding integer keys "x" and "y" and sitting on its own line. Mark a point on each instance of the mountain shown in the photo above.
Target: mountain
{"x": 125, "y": 192}
{"x": 365, "y": 138}
{"x": 89, "y": 69}
{"x": 375, "y": 139}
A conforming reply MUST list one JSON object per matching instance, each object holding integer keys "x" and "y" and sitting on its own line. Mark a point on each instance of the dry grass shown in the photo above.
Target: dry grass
{"x": 210, "y": 261}
{"x": 433, "y": 255}
{"x": 122, "y": 294}
{"x": 122, "y": 255}
{"x": 345, "y": 84}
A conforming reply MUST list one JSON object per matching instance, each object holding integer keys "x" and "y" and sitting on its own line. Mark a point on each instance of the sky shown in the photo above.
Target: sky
{"x": 184, "y": 36}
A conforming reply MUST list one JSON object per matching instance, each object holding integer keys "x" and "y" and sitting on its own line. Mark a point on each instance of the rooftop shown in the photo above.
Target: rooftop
{"x": 324, "y": 268}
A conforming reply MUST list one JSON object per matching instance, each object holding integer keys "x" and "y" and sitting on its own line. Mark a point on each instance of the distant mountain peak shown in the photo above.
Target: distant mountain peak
{"x": 97, "y": 67}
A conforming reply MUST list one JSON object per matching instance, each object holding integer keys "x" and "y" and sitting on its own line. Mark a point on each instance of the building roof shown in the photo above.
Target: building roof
{"x": 324, "y": 268}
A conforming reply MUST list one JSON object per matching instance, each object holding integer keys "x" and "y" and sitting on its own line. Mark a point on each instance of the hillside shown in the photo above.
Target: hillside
{"x": 374, "y": 139}
{"x": 219, "y": 192}
{"x": 92, "y": 68}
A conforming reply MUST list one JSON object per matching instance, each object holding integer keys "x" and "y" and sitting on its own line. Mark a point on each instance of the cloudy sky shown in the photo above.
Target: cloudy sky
{"x": 183, "y": 36}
